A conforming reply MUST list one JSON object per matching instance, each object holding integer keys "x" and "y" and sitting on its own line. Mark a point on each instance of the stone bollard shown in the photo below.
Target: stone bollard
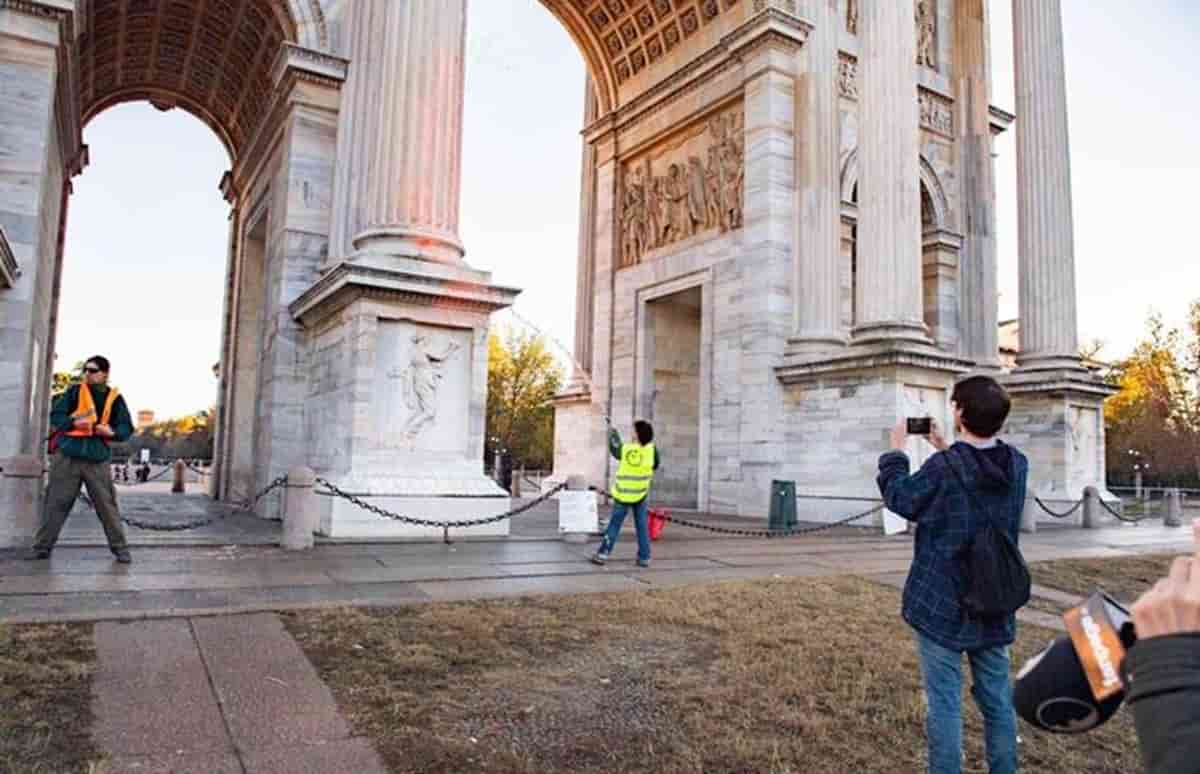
{"x": 300, "y": 509}
{"x": 578, "y": 511}
{"x": 177, "y": 479}
{"x": 1029, "y": 516}
{"x": 21, "y": 492}
{"x": 1173, "y": 504}
{"x": 1093, "y": 518}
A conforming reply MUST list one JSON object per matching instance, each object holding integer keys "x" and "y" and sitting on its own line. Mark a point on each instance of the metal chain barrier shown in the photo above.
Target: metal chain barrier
{"x": 772, "y": 533}
{"x": 1122, "y": 517}
{"x": 1056, "y": 514}
{"x": 442, "y": 524}
{"x": 196, "y": 470}
{"x": 250, "y": 503}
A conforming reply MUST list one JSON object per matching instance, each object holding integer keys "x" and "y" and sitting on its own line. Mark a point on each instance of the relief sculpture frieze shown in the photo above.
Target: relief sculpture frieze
{"x": 688, "y": 185}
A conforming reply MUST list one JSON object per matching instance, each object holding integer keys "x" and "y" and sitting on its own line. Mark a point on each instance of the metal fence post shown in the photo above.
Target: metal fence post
{"x": 20, "y": 500}
{"x": 300, "y": 509}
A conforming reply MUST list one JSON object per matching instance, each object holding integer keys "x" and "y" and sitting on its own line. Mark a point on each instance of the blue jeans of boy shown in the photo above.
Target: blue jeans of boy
{"x": 640, "y": 522}
{"x": 941, "y": 669}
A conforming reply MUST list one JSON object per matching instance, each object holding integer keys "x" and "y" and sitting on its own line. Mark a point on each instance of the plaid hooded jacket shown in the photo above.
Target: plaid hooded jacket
{"x": 947, "y": 518}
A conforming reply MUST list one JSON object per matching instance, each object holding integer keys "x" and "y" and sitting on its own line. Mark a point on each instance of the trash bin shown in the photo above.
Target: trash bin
{"x": 783, "y": 505}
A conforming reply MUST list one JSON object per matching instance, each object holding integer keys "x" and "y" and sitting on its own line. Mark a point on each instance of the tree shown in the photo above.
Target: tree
{"x": 523, "y": 376}
{"x": 1156, "y": 413}
{"x": 61, "y": 381}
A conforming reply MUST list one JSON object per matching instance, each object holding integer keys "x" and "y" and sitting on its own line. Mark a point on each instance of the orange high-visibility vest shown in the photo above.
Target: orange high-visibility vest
{"x": 85, "y": 408}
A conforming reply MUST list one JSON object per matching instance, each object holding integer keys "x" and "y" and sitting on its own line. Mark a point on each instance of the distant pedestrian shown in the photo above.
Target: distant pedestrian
{"x": 958, "y": 492}
{"x": 85, "y": 419}
{"x": 630, "y": 490}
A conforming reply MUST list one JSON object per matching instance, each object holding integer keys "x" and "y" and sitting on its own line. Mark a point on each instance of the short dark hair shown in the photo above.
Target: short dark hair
{"x": 645, "y": 433}
{"x": 101, "y": 362}
{"x": 984, "y": 405}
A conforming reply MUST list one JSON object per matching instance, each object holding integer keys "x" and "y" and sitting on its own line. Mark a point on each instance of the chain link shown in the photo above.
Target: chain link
{"x": 333, "y": 490}
{"x": 1055, "y": 514}
{"x": 1122, "y": 517}
{"x": 251, "y": 503}
{"x": 772, "y": 533}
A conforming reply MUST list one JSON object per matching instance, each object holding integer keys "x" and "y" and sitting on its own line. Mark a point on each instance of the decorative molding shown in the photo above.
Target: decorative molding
{"x": 9, "y": 271}
{"x": 347, "y": 282}
{"x": 314, "y": 66}
{"x": 937, "y": 112}
{"x": 1058, "y": 382}
{"x": 868, "y": 357}
{"x": 1000, "y": 119}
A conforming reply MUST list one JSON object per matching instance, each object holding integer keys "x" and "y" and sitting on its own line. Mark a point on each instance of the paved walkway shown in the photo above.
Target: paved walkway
{"x": 83, "y": 582}
{"x": 225, "y": 695}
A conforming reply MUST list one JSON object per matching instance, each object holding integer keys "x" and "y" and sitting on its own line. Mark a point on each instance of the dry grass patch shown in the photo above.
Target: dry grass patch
{"x": 45, "y": 699}
{"x": 1124, "y": 578}
{"x": 814, "y": 675}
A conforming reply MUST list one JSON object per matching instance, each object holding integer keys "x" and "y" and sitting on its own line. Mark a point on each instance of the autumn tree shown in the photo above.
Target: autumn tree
{"x": 523, "y": 376}
{"x": 61, "y": 381}
{"x": 1157, "y": 410}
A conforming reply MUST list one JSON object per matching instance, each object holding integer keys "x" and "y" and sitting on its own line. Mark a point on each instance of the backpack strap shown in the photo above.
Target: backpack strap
{"x": 987, "y": 513}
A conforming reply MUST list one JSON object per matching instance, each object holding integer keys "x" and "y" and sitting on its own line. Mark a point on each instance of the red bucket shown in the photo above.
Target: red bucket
{"x": 658, "y": 520}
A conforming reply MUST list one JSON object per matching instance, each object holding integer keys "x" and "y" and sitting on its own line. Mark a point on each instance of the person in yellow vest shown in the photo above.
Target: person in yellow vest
{"x": 630, "y": 490}
{"x": 85, "y": 420}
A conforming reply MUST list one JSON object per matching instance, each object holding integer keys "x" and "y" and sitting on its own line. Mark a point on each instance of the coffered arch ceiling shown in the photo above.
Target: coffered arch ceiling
{"x": 212, "y": 58}
{"x": 619, "y": 39}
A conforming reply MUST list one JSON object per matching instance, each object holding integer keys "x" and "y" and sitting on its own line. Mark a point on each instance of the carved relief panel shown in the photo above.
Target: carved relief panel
{"x": 422, "y": 387}
{"x": 687, "y": 185}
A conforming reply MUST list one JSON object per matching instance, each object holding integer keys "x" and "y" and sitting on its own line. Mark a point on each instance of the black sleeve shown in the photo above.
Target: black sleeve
{"x": 1163, "y": 675}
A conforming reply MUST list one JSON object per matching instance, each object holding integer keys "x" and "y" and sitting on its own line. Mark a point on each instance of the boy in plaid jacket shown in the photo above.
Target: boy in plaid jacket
{"x": 950, "y": 498}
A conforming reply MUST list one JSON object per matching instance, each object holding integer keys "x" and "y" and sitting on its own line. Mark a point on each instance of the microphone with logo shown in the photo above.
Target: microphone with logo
{"x": 1075, "y": 684}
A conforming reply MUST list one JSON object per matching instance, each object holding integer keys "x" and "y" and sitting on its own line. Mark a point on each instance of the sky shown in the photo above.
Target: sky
{"x": 148, "y": 231}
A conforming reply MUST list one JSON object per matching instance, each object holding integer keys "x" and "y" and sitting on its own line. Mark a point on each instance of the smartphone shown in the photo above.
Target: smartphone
{"x": 920, "y": 425}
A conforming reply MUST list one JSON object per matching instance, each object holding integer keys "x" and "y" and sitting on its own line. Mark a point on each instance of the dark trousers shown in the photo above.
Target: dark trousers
{"x": 67, "y": 476}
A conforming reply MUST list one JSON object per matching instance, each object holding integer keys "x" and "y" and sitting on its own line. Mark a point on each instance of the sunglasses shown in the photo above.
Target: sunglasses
{"x": 91, "y": 370}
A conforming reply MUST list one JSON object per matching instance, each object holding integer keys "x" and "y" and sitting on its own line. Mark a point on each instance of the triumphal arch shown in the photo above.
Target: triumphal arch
{"x": 787, "y": 236}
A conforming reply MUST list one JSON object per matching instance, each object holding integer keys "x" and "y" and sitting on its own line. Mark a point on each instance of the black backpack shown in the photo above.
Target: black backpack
{"x": 998, "y": 582}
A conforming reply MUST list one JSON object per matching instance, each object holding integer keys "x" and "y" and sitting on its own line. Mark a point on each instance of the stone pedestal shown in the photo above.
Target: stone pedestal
{"x": 1057, "y": 420}
{"x": 21, "y": 491}
{"x": 301, "y": 510}
{"x": 397, "y": 395}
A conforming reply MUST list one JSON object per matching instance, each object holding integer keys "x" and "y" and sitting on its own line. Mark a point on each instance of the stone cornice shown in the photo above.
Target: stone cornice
{"x": 770, "y": 26}
{"x": 1064, "y": 382}
{"x": 870, "y": 357}
{"x": 9, "y": 271}
{"x": 348, "y": 282}
{"x": 942, "y": 238}
{"x": 293, "y": 65}
{"x": 1000, "y": 119}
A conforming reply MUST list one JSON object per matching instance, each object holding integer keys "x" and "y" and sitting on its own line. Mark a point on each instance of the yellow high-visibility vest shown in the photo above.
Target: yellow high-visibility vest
{"x": 634, "y": 473}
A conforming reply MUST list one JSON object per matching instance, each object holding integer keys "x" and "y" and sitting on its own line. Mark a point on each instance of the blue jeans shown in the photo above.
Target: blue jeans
{"x": 941, "y": 669}
{"x": 640, "y": 522}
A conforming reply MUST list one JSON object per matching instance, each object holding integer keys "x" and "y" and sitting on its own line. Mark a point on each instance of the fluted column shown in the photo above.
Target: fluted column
{"x": 400, "y": 131}
{"x": 978, "y": 291}
{"x": 1049, "y": 334}
{"x": 584, "y": 280}
{"x": 888, "y": 291}
{"x": 819, "y": 261}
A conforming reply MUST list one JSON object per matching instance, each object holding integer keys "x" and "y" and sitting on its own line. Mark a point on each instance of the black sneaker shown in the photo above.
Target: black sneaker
{"x": 123, "y": 557}
{"x": 37, "y": 554}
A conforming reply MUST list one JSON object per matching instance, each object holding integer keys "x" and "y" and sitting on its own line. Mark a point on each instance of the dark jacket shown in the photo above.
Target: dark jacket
{"x": 93, "y": 449}
{"x": 1163, "y": 679}
{"x": 947, "y": 519}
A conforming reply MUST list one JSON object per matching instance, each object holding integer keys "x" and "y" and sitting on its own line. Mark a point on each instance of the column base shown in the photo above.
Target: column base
{"x": 435, "y": 246}
{"x": 899, "y": 331}
{"x": 1031, "y": 363}
{"x": 816, "y": 343}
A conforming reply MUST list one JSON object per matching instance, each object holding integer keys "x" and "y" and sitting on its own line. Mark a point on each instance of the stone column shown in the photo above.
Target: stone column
{"x": 584, "y": 283}
{"x": 1049, "y": 334}
{"x": 399, "y": 144}
{"x": 889, "y": 299}
{"x": 818, "y": 263}
{"x": 978, "y": 293}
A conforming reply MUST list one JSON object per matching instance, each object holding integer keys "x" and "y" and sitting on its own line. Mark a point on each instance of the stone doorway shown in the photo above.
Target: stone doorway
{"x": 673, "y": 349}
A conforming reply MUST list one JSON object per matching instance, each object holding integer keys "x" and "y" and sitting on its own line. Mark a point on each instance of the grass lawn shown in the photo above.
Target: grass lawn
{"x": 757, "y": 677}
{"x": 1124, "y": 578}
{"x": 45, "y": 699}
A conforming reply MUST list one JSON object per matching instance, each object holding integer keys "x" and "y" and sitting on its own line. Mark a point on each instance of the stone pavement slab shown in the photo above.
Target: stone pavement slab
{"x": 226, "y": 695}
{"x": 151, "y": 694}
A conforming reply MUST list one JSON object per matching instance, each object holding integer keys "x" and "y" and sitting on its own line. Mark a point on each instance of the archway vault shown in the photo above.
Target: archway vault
{"x": 212, "y": 58}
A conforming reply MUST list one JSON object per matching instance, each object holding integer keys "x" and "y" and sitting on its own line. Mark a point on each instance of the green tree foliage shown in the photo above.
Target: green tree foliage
{"x": 522, "y": 378}
{"x": 1157, "y": 411}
